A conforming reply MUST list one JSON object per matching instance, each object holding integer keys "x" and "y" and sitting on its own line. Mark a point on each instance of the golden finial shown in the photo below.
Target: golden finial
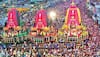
{"x": 41, "y": 7}
{"x": 72, "y": 2}
{"x": 13, "y": 6}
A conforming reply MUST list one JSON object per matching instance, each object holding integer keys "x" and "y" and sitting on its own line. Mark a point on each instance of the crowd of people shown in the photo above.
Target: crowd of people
{"x": 86, "y": 48}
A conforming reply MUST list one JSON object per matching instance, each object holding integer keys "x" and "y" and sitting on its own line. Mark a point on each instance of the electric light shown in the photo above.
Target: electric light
{"x": 52, "y": 15}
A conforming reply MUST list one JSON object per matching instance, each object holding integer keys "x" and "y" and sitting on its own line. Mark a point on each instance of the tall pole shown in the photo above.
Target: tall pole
{"x": 9, "y": 2}
{"x": 88, "y": 0}
{"x": 72, "y": 1}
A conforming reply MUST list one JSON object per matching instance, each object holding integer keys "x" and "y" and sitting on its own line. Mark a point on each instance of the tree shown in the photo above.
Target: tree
{"x": 1, "y": 0}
